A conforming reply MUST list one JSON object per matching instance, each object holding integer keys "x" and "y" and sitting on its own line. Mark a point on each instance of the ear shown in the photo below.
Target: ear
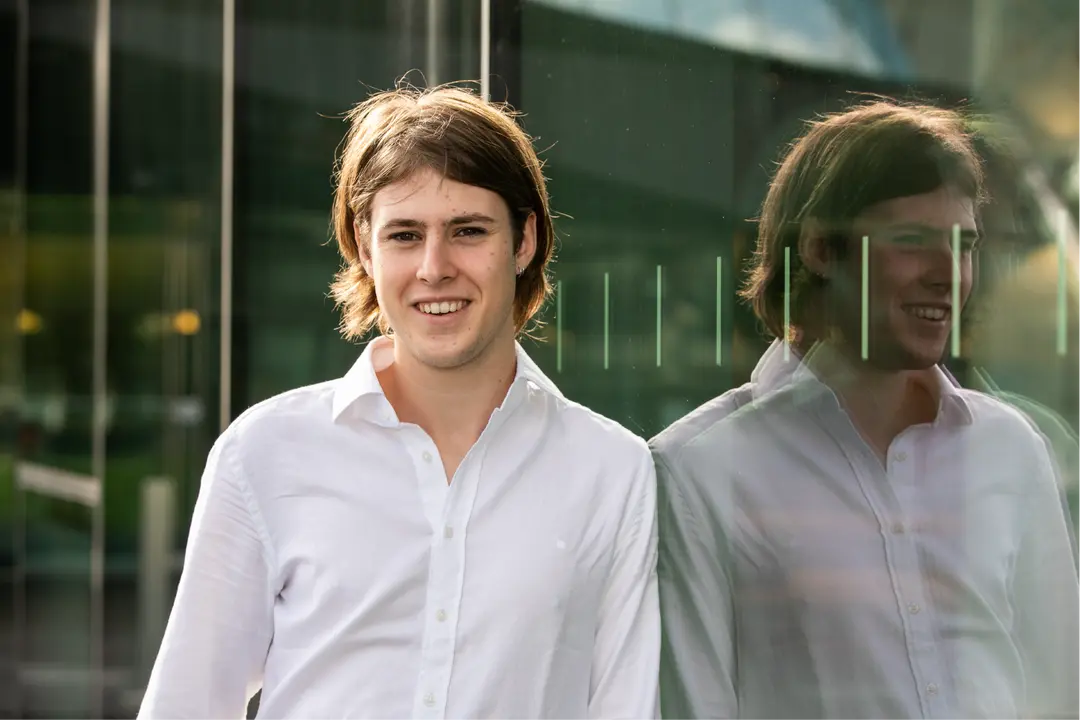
{"x": 814, "y": 250}
{"x": 363, "y": 249}
{"x": 527, "y": 250}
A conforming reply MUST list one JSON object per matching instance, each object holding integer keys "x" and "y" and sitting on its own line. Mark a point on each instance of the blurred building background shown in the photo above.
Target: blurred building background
{"x": 165, "y": 183}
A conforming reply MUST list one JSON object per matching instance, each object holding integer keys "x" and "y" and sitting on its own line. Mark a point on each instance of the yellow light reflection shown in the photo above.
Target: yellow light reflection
{"x": 186, "y": 322}
{"x": 28, "y": 322}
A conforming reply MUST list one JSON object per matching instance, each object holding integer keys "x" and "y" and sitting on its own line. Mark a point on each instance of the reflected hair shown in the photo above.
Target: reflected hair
{"x": 464, "y": 138}
{"x": 845, "y": 163}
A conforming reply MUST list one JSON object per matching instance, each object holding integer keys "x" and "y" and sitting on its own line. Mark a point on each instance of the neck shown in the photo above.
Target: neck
{"x": 452, "y": 405}
{"x": 881, "y": 403}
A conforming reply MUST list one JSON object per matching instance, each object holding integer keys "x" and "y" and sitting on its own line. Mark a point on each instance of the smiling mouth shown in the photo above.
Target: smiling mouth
{"x": 442, "y": 308}
{"x": 927, "y": 312}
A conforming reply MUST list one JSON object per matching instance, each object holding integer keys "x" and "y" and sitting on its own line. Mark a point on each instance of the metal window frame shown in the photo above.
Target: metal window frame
{"x": 500, "y": 50}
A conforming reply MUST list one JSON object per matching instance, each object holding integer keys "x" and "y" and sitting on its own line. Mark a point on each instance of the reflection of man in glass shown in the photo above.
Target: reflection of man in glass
{"x": 439, "y": 533}
{"x": 850, "y": 534}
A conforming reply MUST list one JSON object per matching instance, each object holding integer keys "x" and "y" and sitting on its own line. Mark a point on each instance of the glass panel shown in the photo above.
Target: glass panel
{"x": 164, "y": 289}
{"x": 13, "y": 41}
{"x": 56, "y": 652}
{"x": 656, "y": 211}
{"x": 661, "y": 137}
{"x": 662, "y": 122}
{"x": 53, "y": 658}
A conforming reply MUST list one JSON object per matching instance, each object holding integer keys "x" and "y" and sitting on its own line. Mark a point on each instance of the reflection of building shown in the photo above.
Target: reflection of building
{"x": 848, "y": 37}
{"x": 1036, "y": 77}
{"x": 659, "y": 120}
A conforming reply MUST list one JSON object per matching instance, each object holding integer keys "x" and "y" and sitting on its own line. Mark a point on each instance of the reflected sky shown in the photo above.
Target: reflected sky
{"x": 854, "y": 36}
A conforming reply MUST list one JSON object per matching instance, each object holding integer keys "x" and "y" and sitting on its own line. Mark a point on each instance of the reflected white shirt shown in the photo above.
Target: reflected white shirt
{"x": 801, "y": 576}
{"x": 331, "y": 564}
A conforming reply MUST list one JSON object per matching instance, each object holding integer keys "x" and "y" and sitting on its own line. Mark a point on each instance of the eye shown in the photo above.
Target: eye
{"x": 403, "y": 236}
{"x": 471, "y": 231}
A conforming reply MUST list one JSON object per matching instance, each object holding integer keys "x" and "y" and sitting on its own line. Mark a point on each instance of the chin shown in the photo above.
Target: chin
{"x": 920, "y": 357}
{"x": 443, "y": 361}
{"x": 898, "y": 356}
{"x": 446, "y": 355}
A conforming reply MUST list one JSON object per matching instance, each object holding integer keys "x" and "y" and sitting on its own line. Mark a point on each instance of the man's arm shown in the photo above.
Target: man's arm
{"x": 626, "y": 651}
{"x": 697, "y": 662}
{"x": 1046, "y": 600}
{"x": 211, "y": 658}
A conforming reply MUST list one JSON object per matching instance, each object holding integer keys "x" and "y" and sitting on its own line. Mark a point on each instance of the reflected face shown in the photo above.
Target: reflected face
{"x": 911, "y": 265}
{"x": 441, "y": 255}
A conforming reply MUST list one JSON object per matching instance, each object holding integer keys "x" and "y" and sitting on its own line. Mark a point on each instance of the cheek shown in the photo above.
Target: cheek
{"x": 889, "y": 273}
{"x": 968, "y": 274}
{"x": 391, "y": 277}
{"x": 491, "y": 268}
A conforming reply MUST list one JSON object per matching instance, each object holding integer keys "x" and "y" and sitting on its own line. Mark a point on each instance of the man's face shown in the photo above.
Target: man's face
{"x": 910, "y": 268}
{"x": 441, "y": 255}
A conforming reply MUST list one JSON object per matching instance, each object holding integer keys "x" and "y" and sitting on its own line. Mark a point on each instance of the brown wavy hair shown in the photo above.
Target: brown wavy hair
{"x": 461, "y": 136}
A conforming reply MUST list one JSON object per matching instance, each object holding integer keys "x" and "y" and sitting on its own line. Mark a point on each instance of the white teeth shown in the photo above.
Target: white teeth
{"x": 929, "y": 313}
{"x": 441, "y": 308}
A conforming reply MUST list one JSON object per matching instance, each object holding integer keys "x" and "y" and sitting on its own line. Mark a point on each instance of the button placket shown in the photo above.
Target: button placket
{"x": 901, "y": 483}
{"x": 430, "y": 476}
{"x": 437, "y": 644}
{"x": 439, "y": 641}
{"x": 446, "y": 576}
{"x": 445, "y": 579}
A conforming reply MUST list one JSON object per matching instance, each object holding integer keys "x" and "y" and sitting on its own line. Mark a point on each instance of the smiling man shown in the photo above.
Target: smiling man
{"x": 850, "y": 534}
{"x": 440, "y": 533}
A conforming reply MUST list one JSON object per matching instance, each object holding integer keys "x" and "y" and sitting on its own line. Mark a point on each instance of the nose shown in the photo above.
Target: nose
{"x": 436, "y": 264}
{"x": 941, "y": 263}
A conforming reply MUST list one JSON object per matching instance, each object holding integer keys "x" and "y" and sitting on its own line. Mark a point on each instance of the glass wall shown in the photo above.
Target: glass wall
{"x": 165, "y": 184}
{"x": 112, "y": 371}
{"x": 663, "y": 125}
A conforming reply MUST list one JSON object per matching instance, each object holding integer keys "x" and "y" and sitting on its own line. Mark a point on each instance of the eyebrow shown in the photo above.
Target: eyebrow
{"x": 470, "y": 218}
{"x": 965, "y": 233}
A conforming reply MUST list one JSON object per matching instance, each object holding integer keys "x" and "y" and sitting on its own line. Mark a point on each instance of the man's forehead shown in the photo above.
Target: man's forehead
{"x": 437, "y": 219}
{"x": 436, "y": 204}
{"x": 932, "y": 211}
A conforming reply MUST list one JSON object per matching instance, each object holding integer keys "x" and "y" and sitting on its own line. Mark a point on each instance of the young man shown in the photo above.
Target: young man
{"x": 440, "y": 533}
{"x": 850, "y": 534}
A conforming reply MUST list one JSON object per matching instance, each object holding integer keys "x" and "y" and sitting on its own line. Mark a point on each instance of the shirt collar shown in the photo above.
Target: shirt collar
{"x": 774, "y": 369}
{"x": 360, "y": 385}
{"x": 774, "y": 372}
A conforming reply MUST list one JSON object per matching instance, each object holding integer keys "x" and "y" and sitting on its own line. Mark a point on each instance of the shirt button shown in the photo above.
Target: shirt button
{"x": 448, "y": 532}
{"x": 441, "y": 616}
{"x": 898, "y": 528}
{"x": 914, "y": 608}
{"x": 932, "y": 688}
{"x": 429, "y": 699}
{"x": 426, "y": 456}
{"x": 900, "y": 457}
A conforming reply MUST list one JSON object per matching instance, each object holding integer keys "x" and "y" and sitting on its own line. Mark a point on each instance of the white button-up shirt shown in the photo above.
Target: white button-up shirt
{"x": 331, "y": 564}
{"x": 802, "y": 576}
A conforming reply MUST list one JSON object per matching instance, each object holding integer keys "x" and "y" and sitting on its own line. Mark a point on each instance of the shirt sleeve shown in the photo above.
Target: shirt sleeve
{"x": 626, "y": 649}
{"x": 1046, "y": 598}
{"x": 211, "y": 658}
{"x": 697, "y": 661}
